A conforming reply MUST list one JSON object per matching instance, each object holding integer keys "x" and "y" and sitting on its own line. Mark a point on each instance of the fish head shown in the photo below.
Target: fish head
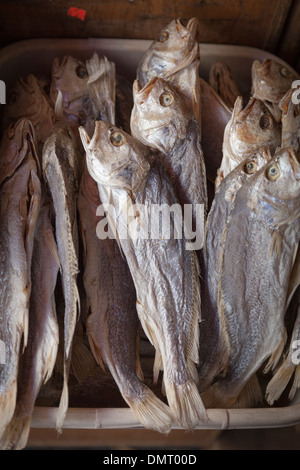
{"x": 175, "y": 47}
{"x": 24, "y": 98}
{"x": 115, "y": 158}
{"x": 70, "y": 76}
{"x": 271, "y": 80}
{"x": 159, "y": 116}
{"x": 275, "y": 194}
{"x": 255, "y": 124}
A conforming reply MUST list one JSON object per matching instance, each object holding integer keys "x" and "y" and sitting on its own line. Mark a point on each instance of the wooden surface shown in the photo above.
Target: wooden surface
{"x": 272, "y": 26}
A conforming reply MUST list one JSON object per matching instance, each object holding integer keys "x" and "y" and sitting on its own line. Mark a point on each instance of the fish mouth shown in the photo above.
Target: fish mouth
{"x": 294, "y": 158}
{"x": 191, "y": 29}
{"x": 142, "y": 94}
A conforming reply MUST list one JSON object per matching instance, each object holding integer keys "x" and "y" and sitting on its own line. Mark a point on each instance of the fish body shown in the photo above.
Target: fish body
{"x": 215, "y": 346}
{"x": 161, "y": 120}
{"x": 20, "y": 202}
{"x": 262, "y": 237}
{"x": 38, "y": 359}
{"x": 60, "y": 167}
{"x": 164, "y": 272}
{"x": 248, "y": 129}
{"x": 112, "y": 324}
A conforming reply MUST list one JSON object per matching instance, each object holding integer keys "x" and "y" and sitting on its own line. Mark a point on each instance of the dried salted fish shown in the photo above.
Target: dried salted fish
{"x": 165, "y": 273}
{"x": 262, "y": 236}
{"x": 113, "y": 325}
{"x": 161, "y": 120}
{"x": 175, "y": 57}
{"x": 60, "y": 168}
{"x": 215, "y": 344}
{"x": 248, "y": 129}
{"x": 38, "y": 359}
{"x": 20, "y": 195}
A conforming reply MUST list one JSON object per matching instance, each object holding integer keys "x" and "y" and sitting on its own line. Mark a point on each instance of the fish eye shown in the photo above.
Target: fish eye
{"x": 116, "y": 139}
{"x": 163, "y": 36}
{"x": 13, "y": 97}
{"x": 265, "y": 122}
{"x": 273, "y": 172}
{"x": 284, "y": 72}
{"x": 166, "y": 99}
{"x": 250, "y": 167}
{"x": 81, "y": 71}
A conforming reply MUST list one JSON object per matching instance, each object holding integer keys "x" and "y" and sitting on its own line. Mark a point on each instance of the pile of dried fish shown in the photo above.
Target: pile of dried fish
{"x": 85, "y": 157}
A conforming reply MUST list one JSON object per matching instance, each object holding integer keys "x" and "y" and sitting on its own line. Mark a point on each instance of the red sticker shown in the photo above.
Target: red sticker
{"x": 78, "y": 12}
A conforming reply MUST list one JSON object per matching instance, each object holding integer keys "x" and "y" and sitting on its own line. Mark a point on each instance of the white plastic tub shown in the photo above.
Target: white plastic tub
{"x": 35, "y": 56}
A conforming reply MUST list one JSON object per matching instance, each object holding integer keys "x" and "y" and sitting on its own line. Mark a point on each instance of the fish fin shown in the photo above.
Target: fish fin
{"x": 58, "y": 108}
{"x": 296, "y": 383}
{"x": 279, "y": 381}
{"x": 82, "y": 359}
{"x": 186, "y": 404}
{"x": 96, "y": 351}
{"x": 250, "y": 395}
{"x": 7, "y": 406}
{"x": 51, "y": 243}
{"x": 277, "y": 354}
{"x": 151, "y": 412}
{"x": 214, "y": 397}
{"x": 157, "y": 366}
{"x": 16, "y": 434}
{"x": 64, "y": 402}
{"x": 276, "y": 242}
{"x": 294, "y": 281}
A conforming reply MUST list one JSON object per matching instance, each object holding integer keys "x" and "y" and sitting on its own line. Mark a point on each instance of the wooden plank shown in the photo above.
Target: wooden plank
{"x": 253, "y": 22}
{"x": 289, "y": 45}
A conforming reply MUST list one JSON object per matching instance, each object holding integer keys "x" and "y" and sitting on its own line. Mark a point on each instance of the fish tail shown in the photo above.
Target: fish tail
{"x": 186, "y": 404}
{"x": 279, "y": 381}
{"x": 215, "y": 397}
{"x": 63, "y": 404}
{"x": 250, "y": 395}
{"x": 16, "y": 434}
{"x": 151, "y": 412}
{"x": 296, "y": 383}
{"x": 7, "y": 406}
{"x": 277, "y": 354}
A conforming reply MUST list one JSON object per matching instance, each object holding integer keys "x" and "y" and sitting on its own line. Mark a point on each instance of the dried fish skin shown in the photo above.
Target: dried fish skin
{"x": 223, "y": 83}
{"x": 248, "y": 129}
{"x": 20, "y": 201}
{"x": 60, "y": 167}
{"x": 112, "y": 324}
{"x": 214, "y": 350}
{"x": 168, "y": 310}
{"x": 38, "y": 359}
{"x": 264, "y": 229}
